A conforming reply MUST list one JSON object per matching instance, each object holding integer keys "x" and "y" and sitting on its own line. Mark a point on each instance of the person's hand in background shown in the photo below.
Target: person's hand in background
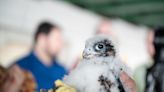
{"x": 128, "y": 82}
{"x": 14, "y": 79}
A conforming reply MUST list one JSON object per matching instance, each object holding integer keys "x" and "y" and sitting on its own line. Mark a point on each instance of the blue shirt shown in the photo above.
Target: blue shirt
{"x": 44, "y": 75}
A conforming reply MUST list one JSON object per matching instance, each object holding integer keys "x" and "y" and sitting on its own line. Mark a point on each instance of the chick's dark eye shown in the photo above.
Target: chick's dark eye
{"x": 99, "y": 46}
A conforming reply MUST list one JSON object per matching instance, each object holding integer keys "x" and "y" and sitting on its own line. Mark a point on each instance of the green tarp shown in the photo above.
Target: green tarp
{"x": 143, "y": 12}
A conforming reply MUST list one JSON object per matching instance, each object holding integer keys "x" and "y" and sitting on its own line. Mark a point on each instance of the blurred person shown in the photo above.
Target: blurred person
{"x": 155, "y": 74}
{"x": 42, "y": 60}
{"x": 152, "y": 70}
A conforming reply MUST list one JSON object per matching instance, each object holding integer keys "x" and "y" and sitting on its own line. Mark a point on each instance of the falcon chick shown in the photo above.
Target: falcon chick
{"x": 100, "y": 68}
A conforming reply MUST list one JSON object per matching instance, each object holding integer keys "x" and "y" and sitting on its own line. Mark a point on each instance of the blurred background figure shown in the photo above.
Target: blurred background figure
{"x": 155, "y": 74}
{"x": 149, "y": 76}
{"x": 42, "y": 60}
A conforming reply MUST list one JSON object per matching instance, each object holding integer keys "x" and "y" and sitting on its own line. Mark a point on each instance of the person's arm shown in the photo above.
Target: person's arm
{"x": 128, "y": 82}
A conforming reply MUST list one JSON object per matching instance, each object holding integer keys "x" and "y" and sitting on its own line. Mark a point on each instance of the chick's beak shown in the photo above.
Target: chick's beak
{"x": 86, "y": 53}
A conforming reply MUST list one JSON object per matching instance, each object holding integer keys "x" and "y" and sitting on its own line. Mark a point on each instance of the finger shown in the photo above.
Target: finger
{"x": 124, "y": 77}
{"x": 128, "y": 82}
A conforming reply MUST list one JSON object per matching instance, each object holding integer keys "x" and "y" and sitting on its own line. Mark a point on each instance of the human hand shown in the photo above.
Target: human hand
{"x": 128, "y": 83}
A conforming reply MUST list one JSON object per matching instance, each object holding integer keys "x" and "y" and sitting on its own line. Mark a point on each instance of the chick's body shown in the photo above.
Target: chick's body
{"x": 99, "y": 69}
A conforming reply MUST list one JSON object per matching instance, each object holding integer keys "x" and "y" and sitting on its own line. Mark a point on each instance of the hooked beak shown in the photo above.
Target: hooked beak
{"x": 86, "y": 54}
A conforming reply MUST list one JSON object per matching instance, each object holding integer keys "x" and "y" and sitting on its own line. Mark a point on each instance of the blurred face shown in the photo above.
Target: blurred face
{"x": 104, "y": 27}
{"x": 150, "y": 46}
{"x": 54, "y": 42}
